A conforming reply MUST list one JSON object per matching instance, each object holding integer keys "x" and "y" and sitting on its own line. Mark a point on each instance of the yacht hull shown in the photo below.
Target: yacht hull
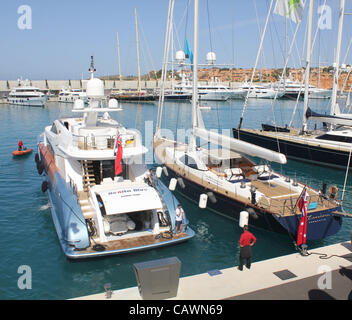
{"x": 70, "y": 223}
{"x": 301, "y": 151}
{"x": 33, "y": 102}
{"x": 320, "y": 224}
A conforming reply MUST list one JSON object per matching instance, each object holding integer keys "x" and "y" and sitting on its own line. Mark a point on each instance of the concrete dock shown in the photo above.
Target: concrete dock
{"x": 326, "y": 273}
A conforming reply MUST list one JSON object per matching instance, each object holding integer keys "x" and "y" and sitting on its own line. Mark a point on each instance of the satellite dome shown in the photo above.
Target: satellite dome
{"x": 78, "y": 104}
{"x": 211, "y": 57}
{"x": 180, "y": 57}
{"x": 95, "y": 88}
{"x": 113, "y": 104}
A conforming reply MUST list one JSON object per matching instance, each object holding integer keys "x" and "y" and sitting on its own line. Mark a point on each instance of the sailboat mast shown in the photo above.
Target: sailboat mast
{"x": 335, "y": 84}
{"x": 192, "y": 143}
{"x": 307, "y": 73}
{"x": 256, "y": 63}
{"x": 118, "y": 59}
{"x": 139, "y": 71}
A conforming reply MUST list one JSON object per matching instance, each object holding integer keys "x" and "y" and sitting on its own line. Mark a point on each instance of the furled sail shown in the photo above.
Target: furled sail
{"x": 239, "y": 146}
{"x": 337, "y": 119}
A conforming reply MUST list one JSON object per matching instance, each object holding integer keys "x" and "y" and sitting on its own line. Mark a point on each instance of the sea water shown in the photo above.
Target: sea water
{"x": 29, "y": 244}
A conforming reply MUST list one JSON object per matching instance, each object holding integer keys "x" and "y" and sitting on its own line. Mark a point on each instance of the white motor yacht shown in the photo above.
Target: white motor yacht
{"x": 27, "y": 95}
{"x": 102, "y": 200}
{"x": 71, "y": 95}
{"x": 261, "y": 91}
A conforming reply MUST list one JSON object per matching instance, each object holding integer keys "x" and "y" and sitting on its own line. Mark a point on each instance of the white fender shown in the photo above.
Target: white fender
{"x": 172, "y": 185}
{"x": 244, "y": 217}
{"x": 158, "y": 172}
{"x": 203, "y": 199}
{"x": 165, "y": 171}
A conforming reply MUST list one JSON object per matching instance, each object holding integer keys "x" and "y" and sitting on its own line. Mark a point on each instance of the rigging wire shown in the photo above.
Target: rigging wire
{"x": 210, "y": 37}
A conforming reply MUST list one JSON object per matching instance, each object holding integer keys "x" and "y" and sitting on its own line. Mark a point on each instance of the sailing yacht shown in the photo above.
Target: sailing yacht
{"x": 328, "y": 146}
{"x": 102, "y": 201}
{"x": 227, "y": 181}
{"x": 138, "y": 95}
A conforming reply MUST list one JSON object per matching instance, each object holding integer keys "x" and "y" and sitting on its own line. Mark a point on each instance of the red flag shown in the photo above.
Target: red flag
{"x": 118, "y": 164}
{"x": 302, "y": 228}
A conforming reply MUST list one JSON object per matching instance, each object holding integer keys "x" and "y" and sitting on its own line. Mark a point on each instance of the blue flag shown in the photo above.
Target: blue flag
{"x": 188, "y": 53}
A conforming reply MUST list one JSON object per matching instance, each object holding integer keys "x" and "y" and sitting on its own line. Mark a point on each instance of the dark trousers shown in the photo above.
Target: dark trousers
{"x": 248, "y": 264}
{"x": 245, "y": 253}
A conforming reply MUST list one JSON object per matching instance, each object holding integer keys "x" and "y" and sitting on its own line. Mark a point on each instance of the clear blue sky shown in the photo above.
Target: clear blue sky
{"x": 65, "y": 33}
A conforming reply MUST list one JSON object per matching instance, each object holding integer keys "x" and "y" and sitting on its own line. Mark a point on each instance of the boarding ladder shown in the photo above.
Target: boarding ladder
{"x": 88, "y": 175}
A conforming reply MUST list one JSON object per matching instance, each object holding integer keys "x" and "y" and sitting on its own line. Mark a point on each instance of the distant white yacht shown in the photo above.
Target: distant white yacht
{"x": 261, "y": 91}
{"x": 293, "y": 89}
{"x": 71, "y": 95}
{"x": 27, "y": 95}
{"x": 214, "y": 91}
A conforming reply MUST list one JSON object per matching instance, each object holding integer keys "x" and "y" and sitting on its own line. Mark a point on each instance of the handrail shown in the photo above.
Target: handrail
{"x": 99, "y": 142}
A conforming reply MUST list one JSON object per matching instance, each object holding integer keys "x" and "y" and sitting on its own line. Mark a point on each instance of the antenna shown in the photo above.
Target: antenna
{"x": 92, "y": 68}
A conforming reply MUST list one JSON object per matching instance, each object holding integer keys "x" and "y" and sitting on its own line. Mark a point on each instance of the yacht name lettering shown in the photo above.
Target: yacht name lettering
{"x": 309, "y": 217}
{"x": 127, "y": 191}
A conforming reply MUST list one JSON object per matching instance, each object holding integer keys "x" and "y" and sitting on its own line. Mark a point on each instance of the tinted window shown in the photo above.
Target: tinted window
{"x": 335, "y": 138}
{"x": 189, "y": 161}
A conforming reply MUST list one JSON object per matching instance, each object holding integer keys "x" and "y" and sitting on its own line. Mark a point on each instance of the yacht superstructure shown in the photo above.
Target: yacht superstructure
{"x": 102, "y": 200}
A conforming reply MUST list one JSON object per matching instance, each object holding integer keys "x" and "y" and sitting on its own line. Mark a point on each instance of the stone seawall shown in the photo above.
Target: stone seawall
{"x": 56, "y": 85}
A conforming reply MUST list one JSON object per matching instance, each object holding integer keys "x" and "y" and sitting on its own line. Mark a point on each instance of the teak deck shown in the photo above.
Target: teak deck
{"x": 278, "y": 199}
{"x": 139, "y": 241}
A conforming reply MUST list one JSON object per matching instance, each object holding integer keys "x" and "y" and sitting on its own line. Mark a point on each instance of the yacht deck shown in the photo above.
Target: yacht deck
{"x": 135, "y": 242}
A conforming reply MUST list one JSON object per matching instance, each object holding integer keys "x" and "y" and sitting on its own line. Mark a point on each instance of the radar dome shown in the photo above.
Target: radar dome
{"x": 180, "y": 57}
{"x": 211, "y": 57}
{"x": 95, "y": 88}
{"x": 113, "y": 104}
{"x": 78, "y": 104}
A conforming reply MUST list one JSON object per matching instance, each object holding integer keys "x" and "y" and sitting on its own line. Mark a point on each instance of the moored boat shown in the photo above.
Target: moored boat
{"x": 227, "y": 181}
{"x": 21, "y": 152}
{"x": 102, "y": 202}
{"x": 27, "y": 95}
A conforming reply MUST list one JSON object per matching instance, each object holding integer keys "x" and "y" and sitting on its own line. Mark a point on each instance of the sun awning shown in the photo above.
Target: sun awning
{"x": 130, "y": 199}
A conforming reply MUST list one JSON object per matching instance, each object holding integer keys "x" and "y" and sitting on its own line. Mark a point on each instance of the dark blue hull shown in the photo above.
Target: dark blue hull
{"x": 297, "y": 151}
{"x": 320, "y": 224}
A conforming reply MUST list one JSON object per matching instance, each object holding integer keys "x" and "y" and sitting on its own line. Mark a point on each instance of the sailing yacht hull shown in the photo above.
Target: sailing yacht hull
{"x": 297, "y": 150}
{"x": 321, "y": 224}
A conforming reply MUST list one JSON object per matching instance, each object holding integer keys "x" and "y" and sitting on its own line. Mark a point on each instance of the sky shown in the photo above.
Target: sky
{"x": 65, "y": 33}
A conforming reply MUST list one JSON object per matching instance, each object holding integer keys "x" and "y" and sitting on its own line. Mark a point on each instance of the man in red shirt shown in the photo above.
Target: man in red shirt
{"x": 247, "y": 240}
{"x": 20, "y": 145}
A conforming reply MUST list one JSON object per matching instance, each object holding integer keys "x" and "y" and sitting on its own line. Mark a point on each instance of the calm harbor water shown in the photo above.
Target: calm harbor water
{"x": 28, "y": 236}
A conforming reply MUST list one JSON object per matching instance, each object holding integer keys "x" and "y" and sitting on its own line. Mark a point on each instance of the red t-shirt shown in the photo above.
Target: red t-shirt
{"x": 246, "y": 238}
